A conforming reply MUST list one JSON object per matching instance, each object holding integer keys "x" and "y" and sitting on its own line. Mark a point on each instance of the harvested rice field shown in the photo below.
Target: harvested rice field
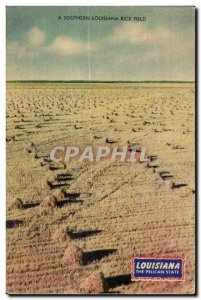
{"x": 73, "y": 227}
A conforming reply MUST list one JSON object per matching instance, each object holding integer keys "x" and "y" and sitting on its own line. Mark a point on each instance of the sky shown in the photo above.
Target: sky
{"x": 42, "y": 45}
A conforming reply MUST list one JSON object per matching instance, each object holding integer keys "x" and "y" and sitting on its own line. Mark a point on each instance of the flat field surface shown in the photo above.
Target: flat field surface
{"x": 113, "y": 211}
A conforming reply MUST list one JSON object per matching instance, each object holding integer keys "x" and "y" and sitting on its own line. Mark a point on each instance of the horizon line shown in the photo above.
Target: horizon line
{"x": 100, "y": 81}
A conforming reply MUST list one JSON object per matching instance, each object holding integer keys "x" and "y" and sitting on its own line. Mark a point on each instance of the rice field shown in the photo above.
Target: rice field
{"x": 73, "y": 227}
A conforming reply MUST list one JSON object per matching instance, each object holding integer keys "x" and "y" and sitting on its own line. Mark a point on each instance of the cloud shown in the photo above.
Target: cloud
{"x": 67, "y": 46}
{"x": 139, "y": 35}
{"x": 61, "y": 45}
{"x": 36, "y": 36}
{"x": 155, "y": 43}
{"x": 16, "y": 48}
